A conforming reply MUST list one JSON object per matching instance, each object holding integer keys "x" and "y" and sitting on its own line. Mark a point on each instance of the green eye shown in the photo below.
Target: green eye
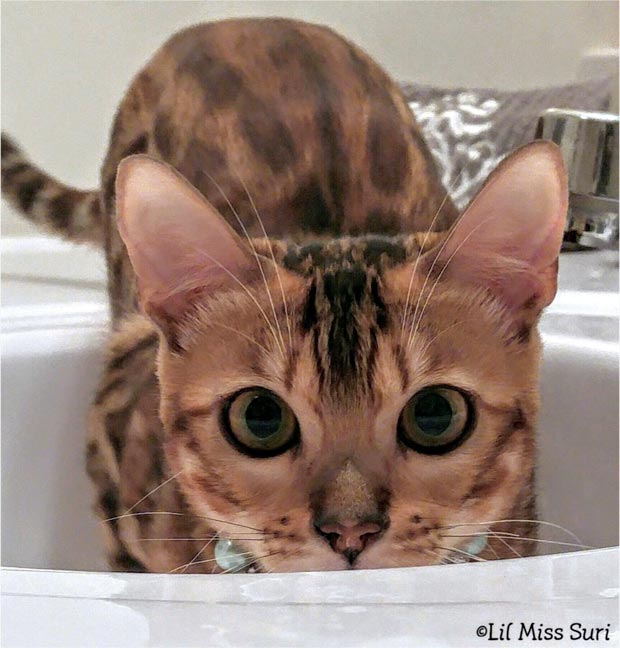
{"x": 259, "y": 423}
{"x": 435, "y": 420}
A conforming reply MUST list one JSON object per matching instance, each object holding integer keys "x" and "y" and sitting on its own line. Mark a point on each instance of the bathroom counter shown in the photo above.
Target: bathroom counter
{"x": 589, "y": 270}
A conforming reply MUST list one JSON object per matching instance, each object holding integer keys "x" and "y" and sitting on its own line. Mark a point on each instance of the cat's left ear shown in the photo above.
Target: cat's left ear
{"x": 508, "y": 239}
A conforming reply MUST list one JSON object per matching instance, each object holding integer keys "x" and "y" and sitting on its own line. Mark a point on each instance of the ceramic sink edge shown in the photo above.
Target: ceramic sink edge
{"x": 590, "y": 574}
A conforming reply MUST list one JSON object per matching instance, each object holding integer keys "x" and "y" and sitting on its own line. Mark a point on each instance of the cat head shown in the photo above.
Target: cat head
{"x": 356, "y": 402}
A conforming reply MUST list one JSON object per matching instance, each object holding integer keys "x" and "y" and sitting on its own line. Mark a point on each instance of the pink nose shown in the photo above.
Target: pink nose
{"x": 349, "y": 538}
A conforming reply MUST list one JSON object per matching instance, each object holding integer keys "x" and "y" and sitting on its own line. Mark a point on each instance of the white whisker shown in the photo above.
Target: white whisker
{"x": 204, "y": 546}
{"x": 444, "y": 559}
{"x": 421, "y": 251}
{"x": 557, "y": 542}
{"x": 128, "y": 515}
{"x": 514, "y": 536}
{"x": 201, "y": 539}
{"x": 273, "y": 258}
{"x": 416, "y": 323}
{"x": 250, "y": 295}
{"x": 504, "y": 542}
{"x": 203, "y": 562}
{"x": 515, "y": 521}
{"x": 251, "y": 242}
{"x": 253, "y": 560}
{"x": 463, "y": 552}
{"x": 482, "y": 533}
{"x": 176, "y": 514}
{"x": 445, "y": 330}
{"x": 154, "y": 491}
{"x": 500, "y": 536}
{"x": 490, "y": 546}
{"x": 247, "y": 337}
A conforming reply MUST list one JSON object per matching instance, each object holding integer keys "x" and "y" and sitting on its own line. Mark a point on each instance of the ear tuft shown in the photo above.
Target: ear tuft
{"x": 509, "y": 237}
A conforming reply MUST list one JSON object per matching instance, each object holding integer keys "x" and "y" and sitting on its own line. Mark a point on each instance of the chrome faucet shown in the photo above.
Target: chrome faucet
{"x": 589, "y": 143}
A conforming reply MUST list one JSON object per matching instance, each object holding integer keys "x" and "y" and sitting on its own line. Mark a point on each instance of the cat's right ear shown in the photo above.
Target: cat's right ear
{"x": 180, "y": 247}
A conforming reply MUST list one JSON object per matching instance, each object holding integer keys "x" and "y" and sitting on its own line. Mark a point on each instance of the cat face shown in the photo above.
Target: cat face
{"x": 353, "y": 403}
{"x": 276, "y": 435}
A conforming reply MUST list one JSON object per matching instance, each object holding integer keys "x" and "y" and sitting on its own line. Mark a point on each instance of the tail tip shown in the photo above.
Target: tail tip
{"x": 8, "y": 146}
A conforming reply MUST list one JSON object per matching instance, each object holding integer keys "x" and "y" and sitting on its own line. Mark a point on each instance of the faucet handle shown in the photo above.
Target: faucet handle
{"x": 589, "y": 144}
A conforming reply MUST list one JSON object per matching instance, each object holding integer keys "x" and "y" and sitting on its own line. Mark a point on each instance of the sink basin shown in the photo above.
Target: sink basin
{"x": 50, "y": 366}
{"x": 53, "y": 570}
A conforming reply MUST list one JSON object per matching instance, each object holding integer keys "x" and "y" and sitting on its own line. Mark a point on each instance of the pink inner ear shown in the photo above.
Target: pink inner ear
{"x": 509, "y": 237}
{"x": 176, "y": 240}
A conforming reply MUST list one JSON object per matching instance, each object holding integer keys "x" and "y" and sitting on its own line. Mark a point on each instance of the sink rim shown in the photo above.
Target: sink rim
{"x": 528, "y": 579}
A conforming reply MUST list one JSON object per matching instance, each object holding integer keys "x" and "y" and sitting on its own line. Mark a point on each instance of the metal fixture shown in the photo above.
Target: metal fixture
{"x": 589, "y": 144}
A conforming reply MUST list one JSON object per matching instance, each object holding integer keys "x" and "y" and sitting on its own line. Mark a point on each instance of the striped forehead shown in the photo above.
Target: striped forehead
{"x": 344, "y": 311}
{"x": 370, "y": 252}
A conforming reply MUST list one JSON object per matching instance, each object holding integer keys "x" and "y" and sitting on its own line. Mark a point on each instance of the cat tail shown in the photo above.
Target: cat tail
{"x": 73, "y": 214}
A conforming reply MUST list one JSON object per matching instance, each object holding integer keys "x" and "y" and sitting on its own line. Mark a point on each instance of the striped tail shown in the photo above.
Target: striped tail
{"x": 71, "y": 213}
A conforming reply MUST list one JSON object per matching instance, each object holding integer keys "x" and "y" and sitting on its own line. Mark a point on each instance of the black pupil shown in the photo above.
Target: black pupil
{"x": 432, "y": 414}
{"x": 263, "y": 416}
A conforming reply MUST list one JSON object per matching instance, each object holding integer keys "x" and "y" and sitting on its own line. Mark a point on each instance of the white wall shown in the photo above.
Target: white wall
{"x": 65, "y": 64}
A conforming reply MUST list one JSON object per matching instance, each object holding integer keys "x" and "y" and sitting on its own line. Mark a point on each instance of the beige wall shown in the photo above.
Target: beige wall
{"x": 65, "y": 64}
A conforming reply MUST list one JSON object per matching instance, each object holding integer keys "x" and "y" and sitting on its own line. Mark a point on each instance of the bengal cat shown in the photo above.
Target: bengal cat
{"x": 301, "y": 359}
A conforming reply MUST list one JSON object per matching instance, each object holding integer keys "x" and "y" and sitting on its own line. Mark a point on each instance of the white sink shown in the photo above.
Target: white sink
{"x": 56, "y": 592}
{"x": 451, "y": 605}
{"x": 51, "y": 357}
{"x": 50, "y": 366}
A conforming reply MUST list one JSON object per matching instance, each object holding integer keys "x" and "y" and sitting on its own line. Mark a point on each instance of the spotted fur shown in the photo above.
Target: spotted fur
{"x": 306, "y": 124}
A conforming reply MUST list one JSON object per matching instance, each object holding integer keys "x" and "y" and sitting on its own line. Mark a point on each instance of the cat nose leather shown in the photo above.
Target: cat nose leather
{"x": 349, "y": 538}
